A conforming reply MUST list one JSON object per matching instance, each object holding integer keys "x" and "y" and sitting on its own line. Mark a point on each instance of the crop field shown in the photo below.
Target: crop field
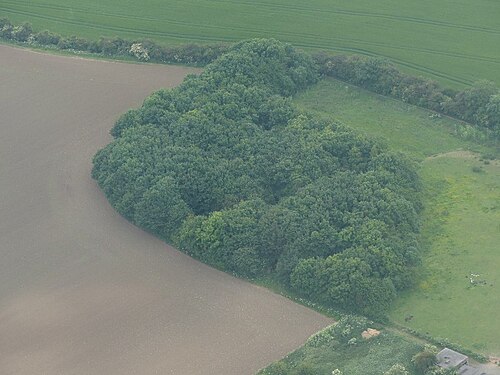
{"x": 460, "y": 233}
{"x": 455, "y": 42}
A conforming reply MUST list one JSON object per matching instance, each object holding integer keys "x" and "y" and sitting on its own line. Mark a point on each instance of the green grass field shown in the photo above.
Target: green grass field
{"x": 453, "y": 41}
{"x": 462, "y": 233}
{"x": 404, "y": 127}
{"x": 461, "y": 223}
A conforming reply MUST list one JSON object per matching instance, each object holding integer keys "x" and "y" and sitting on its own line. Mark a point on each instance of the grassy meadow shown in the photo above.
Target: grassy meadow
{"x": 461, "y": 230}
{"x": 453, "y": 41}
{"x": 404, "y": 127}
{"x": 462, "y": 234}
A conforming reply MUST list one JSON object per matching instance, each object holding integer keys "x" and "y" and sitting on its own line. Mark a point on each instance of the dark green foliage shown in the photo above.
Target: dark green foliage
{"x": 113, "y": 46}
{"x": 424, "y": 360}
{"x": 161, "y": 208}
{"x": 20, "y": 33}
{"x": 491, "y": 114}
{"x": 185, "y": 54}
{"x": 47, "y": 38}
{"x": 470, "y": 104}
{"x": 227, "y": 168}
{"x": 478, "y": 105}
{"x": 6, "y": 28}
{"x": 74, "y": 43}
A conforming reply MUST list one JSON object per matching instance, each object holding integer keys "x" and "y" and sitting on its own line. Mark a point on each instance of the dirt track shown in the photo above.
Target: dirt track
{"x": 82, "y": 291}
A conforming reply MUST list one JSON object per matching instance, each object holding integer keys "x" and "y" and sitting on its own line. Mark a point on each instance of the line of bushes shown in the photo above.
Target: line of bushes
{"x": 478, "y": 105}
{"x": 141, "y": 50}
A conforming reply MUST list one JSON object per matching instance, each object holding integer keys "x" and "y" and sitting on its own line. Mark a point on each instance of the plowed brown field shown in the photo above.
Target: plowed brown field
{"x": 82, "y": 291}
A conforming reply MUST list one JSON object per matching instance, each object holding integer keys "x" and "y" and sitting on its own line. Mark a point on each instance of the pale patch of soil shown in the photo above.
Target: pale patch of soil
{"x": 463, "y": 154}
{"x": 494, "y": 360}
{"x": 369, "y": 333}
{"x": 82, "y": 291}
{"x": 457, "y": 154}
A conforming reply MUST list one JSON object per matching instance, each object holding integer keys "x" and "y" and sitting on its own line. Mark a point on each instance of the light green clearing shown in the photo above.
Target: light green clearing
{"x": 442, "y": 39}
{"x": 462, "y": 232}
{"x": 461, "y": 222}
{"x": 404, "y": 127}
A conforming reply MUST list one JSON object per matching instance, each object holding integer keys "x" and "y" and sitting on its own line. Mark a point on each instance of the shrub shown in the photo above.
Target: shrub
{"x": 323, "y": 337}
{"x": 74, "y": 43}
{"x": 139, "y": 52}
{"x": 22, "y": 33}
{"x": 425, "y": 359}
{"x": 47, "y": 38}
{"x": 6, "y": 28}
{"x": 114, "y": 46}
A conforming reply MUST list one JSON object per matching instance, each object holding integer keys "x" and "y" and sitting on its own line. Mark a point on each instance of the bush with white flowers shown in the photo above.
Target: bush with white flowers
{"x": 138, "y": 50}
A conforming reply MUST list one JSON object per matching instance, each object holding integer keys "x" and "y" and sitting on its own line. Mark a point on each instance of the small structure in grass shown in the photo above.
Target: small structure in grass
{"x": 452, "y": 360}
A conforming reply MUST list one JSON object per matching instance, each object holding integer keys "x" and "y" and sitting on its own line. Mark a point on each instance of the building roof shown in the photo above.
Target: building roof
{"x": 448, "y": 358}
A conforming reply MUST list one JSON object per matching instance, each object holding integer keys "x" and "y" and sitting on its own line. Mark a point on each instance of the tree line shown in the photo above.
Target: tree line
{"x": 142, "y": 50}
{"x": 229, "y": 171}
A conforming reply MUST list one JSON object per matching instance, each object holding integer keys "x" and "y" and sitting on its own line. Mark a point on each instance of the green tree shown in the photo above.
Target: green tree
{"x": 425, "y": 359}
{"x": 161, "y": 208}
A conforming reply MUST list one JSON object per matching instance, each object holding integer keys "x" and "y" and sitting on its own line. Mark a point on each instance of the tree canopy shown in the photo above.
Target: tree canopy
{"x": 229, "y": 171}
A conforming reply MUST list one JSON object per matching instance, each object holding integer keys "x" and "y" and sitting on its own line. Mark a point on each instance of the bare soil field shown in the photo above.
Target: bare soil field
{"x": 82, "y": 291}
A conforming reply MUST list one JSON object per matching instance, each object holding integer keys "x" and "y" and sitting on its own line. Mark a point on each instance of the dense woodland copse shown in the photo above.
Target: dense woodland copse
{"x": 226, "y": 168}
